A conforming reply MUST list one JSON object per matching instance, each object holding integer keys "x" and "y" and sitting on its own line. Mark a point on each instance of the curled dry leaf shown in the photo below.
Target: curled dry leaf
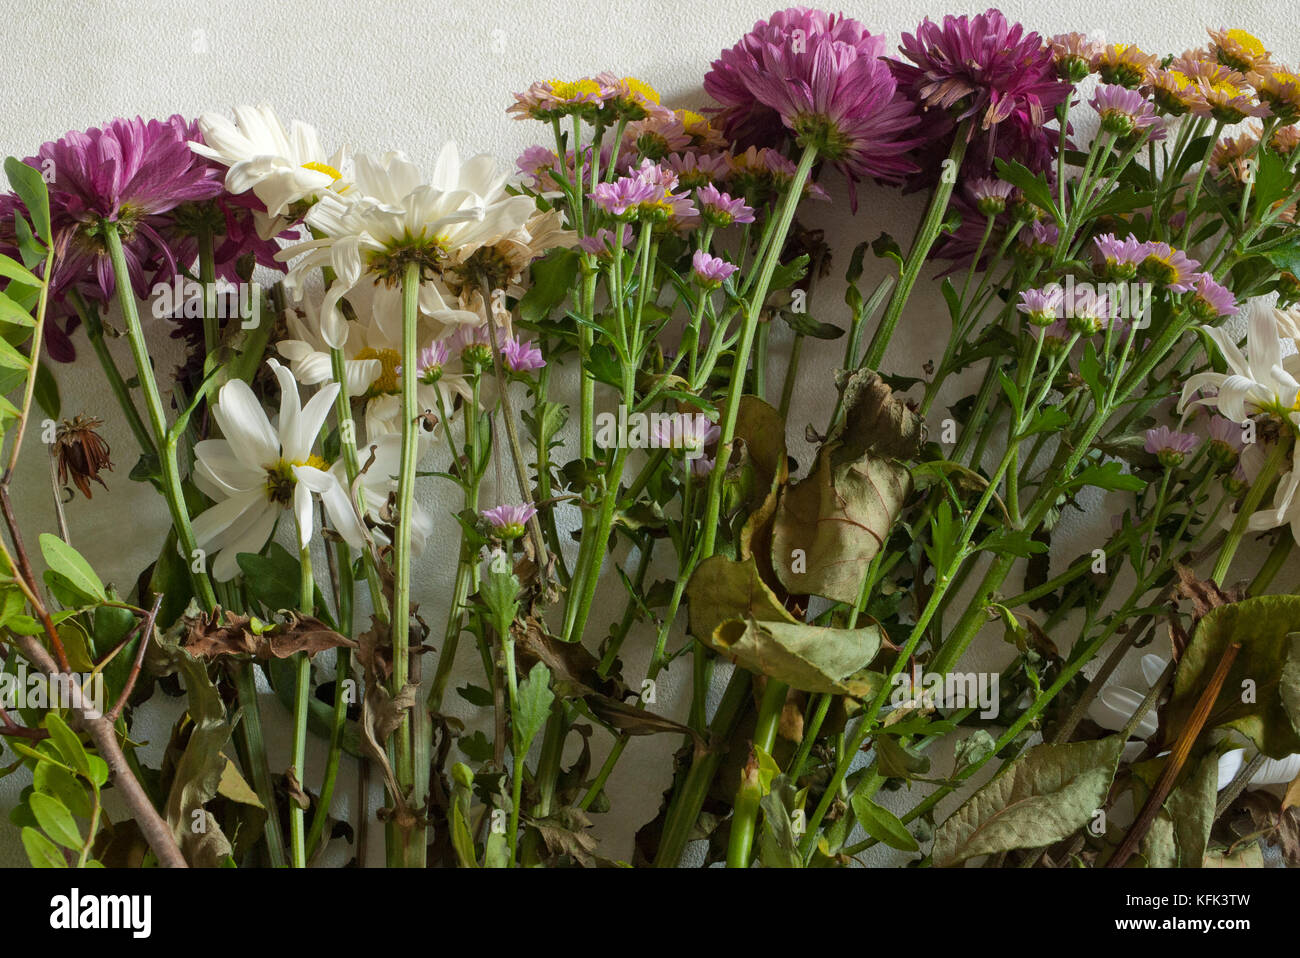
{"x": 830, "y": 525}
{"x": 209, "y": 636}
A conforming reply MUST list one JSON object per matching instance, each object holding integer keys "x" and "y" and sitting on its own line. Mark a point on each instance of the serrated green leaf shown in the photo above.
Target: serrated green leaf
{"x": 533, "y": 705}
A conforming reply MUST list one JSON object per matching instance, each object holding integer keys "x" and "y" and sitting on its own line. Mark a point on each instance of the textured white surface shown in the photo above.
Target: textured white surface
{"x": 402, "y": 75}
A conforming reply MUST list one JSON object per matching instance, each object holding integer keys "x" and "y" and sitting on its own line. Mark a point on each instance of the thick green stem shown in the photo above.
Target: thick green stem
{"x": 741, "y": 844}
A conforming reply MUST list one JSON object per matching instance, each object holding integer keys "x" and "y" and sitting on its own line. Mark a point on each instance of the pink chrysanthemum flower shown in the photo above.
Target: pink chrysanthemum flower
{"x": 719, "y": 209}
{"x": 990, "y": 194}
{"x": 659, "y": 134}
{"x": 710, "y": 271}
{"x": 558, "y": 98}
{"x": 687, "y": 433}
{"x": 1225, "y": 443}
{"x": 1211, "y": 300}
{"x": 1040, "y": 239}
{"x": 1123, "y": 111}
{"x": 698, "y": 169}
{"x": 1073, "y": 54}
{"x": 601, "y": 243}
{"x": 1169, "y": 266}
{"x": 1087, "y": 311}
{"x": 646, "y": 194}
{"x": 429, "y": 364}
{"x": 1168, "y": 446}
{"x": 509, "y": 522}
{"x": 1042, "y": 307}
{"x": 521, "y": 356}
{"x": 1119, "y": 258}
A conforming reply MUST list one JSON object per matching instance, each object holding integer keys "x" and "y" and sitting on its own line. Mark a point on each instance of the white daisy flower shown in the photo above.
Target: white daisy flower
{"x": 392, "y": 217}
{"x": 1259, "y": 380}
{"x": 259, "y": 469}
{"x": 285, "y": 169}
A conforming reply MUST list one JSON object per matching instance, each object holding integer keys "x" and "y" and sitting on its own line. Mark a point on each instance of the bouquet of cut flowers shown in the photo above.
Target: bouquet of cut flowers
{"x": 364, "y": 338}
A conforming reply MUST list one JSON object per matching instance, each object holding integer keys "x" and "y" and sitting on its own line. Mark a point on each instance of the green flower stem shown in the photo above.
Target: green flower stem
{"x": 208, "y": 278}
{"x": 517, "y": 753}
{"x": 812, "y": 726}
{"x": 1195, "y": 194}
{"x": 301, "y": 699}
{"x": 741, "y": 845}
{"x": 685, "y": 807}
{"x": 352, "y": 468}
{"x": 784, "y": 217}
{"x": 164, "y": 442}
{"x": 121, "y": 392}
{"x": 926, "y": 235}
{"x": 791, "y": 373}
{"x": 411, "y": 843}
{"x": 250, "y": 729}
{"x": 1263, "y": 482}
{"x": 1277, "y": 557}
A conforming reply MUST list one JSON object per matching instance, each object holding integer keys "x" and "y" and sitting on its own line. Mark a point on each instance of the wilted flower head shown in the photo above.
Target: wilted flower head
{"x": 1168, "y": 446}
{"x": 1230, "y": 155}
{"x": 1123, "y": 111}
{"x": 710, "y": 271}
{"x": 509, "y": 522}
{"x": 81, "y": 453}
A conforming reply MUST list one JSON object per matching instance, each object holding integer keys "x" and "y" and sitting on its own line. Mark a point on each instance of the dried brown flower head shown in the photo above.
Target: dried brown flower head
{"x": 81, "y": 452}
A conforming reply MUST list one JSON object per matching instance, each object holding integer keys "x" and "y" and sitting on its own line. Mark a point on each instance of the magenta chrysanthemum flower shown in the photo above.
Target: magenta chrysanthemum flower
{"x": 1210, "y": 299}
{"x": 1170, "y": 447}
{"x": 128, "y": 172}
{"x": 509, "y": 522}
{"x": 990, "y": 72}
{"x": 833, "y": 91}
{"x": 131, "y": 172}
{"x": 1123, "y": 111}
{"x": 1042, "y": 306}
{"x": 521, "y": 356}
{"x": 719, "y": 209}
{"x": 1119, "y": 258}
{"x": 710, "y": 271}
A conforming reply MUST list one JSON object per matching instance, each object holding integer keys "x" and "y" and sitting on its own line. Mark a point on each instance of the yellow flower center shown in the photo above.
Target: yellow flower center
{"x": 1248, "y": 43}
{"x": 639, "y": 88}
{"x": 385, "y": 383}
{"x": 323, "y": 168}
{"x": 574, "y": 89}
{"x": 280, "y": 479}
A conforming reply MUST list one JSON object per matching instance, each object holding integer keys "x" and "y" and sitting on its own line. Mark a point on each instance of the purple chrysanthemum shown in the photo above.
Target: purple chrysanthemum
{"x": 509, "y": 522}
{"x": 601, "y": 243}
{"x": 1119, "y": 258}
{"x": 1123, "y": 111}
{"x": 646, "y": 194}
{"x": 1170, "y": 447}
{"x": 1042, "y": 306}
{"x": 991, "y": 72}
{"x": 1210, "y": 299}
{"x": 824, "y": 77}
{"x": 698, "y": 169}
{"x": 520, "y": 355}
{"x": 710, "y": 271}
{"x": 1169, "y": 266}
{"x": 1225, "y": 443}
{"x": 719, "y": 209}
{"x": 429, "y": 364}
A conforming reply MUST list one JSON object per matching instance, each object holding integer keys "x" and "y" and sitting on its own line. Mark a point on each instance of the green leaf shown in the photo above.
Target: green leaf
{"x": 882, "y": 824}
{"x": 500, "y": 594}
{"x": 66, "y": 741}
{"x": 68, "y": 563}
{"x": 11, "y": 312}
{"x": 12, "y": 269}
{"x": 41, "y": 852}
{"x": 461, "y": 839}
{"x": 55, "y": 820}
{"x": 553, "y": 277}
{"x": 1045, "y": 795}
{"x": 777, "y": 845}
{"x": 28, "y": 183}
{"x": 272, "y": 579}
{"x": 57, "y": 781}
{"x": 47, "y": 392}
{"x": 533, "y": 705}
{"x": 11, "y": 358}
{"x": 1034, "y": 186}
{"x": 1261, "y": 696}
{"x": 1108, "y": 475}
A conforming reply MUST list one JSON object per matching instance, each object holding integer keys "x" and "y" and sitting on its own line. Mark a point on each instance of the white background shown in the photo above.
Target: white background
{"x": 400, "y": 75}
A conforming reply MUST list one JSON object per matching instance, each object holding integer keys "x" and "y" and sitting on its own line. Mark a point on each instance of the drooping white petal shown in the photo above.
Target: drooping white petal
{"x": 245, "y": 425}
